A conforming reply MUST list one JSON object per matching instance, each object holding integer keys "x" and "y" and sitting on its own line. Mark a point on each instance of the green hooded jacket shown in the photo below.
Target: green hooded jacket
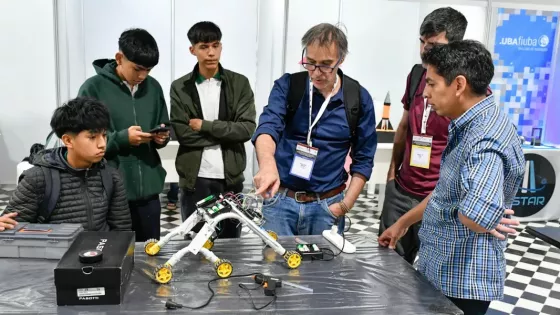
{"x": 140, "y": 165}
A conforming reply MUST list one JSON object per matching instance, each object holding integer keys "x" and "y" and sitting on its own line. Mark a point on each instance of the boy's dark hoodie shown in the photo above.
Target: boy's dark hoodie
{"x": 82, "y": 197}
{"x": 140, "y": 165}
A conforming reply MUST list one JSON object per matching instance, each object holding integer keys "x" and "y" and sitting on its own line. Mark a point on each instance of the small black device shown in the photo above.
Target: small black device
{"x": 269, "y": 283}
{"x": 159, "y": 129}
{"x": 218, "y": 208}
{"x": 90, "y": 256}
{"x": 309, "y": 251}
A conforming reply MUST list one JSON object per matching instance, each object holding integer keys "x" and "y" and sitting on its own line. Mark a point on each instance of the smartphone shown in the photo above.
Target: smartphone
{"x": 159, "y": 129}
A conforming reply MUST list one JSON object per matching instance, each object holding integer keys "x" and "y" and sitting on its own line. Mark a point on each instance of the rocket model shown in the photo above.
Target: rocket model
{"x": 385, "y": 124}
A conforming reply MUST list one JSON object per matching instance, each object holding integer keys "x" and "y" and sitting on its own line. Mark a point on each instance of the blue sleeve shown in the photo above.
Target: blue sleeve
{"x": 483, "y": 176}
{"x": 363, "y": 149}
{"x": 271, "y": 121}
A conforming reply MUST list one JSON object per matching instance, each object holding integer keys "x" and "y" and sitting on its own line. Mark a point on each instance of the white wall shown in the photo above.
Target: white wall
{"x": 382, "y": 39}
{"x": 28, "y": 87}
{"x": 302, "y": 15}
{"x": 101, "y": 38}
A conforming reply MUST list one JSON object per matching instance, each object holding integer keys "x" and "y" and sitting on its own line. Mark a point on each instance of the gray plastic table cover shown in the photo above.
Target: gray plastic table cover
{"x": 374, "y": 280}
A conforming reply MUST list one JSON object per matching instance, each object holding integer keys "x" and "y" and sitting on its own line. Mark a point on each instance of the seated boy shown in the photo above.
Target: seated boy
{"x": 90, "y": 192}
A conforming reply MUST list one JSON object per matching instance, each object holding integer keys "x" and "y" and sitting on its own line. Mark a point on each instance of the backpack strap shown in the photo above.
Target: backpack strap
{"x": 416, "y": 75}
{"x": 352, "y": 103}
{"x": 298, "y": 82}
{"x": 107, "y": 180}
{"x": 52, "y": 191}
{"x": 351, "y": 91}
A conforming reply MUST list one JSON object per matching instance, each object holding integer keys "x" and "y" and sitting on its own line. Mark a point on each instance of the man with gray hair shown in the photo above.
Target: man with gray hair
{"x": 312, "y": 120}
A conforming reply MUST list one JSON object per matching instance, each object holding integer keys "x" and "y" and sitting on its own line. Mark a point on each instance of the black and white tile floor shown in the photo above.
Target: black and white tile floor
{"x": 533, "y": 266}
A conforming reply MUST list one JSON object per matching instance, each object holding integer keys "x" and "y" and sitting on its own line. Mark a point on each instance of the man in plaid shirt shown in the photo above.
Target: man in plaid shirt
{"x": 461, "y": 253}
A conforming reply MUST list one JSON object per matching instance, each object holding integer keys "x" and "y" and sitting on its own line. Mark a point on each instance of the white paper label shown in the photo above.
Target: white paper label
{"x": 91, "y": 292}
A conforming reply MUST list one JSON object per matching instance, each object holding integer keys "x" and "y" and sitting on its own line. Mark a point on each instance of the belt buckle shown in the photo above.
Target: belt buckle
{"x": 297, "y": 193}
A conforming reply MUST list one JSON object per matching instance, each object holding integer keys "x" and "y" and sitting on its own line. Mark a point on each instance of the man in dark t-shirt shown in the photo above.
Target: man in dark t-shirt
{"x": 420, "y": 138}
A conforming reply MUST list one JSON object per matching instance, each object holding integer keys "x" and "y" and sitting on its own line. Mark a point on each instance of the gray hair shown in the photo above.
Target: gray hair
{"x": 324, "y": 34}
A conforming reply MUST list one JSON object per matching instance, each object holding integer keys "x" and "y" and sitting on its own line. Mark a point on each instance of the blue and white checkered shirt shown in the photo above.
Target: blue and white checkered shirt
{"x": 481, "y": 169}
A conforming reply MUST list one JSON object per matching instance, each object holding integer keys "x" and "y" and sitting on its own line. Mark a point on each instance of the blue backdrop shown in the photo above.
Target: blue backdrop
{"x": 523, "y": 52}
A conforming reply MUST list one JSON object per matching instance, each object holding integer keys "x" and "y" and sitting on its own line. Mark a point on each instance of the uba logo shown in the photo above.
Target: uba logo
{"x": 542, "y": 41}
{"x": 537, "y": 186}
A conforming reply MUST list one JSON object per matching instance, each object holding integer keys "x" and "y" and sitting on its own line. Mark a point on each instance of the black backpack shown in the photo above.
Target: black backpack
{"x": 416, "y": 75}
{"x": 52, "y": 190}
{"x": 52, "y": 183}
{"x": 351, "y": 91}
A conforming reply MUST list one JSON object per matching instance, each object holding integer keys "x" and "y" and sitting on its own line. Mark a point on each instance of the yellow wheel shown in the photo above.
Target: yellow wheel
{"x": 163, "y": 274}
{"x": 224, "y": 268}
{"x": 208, "y": 244}
{"x": 151, "y": 247}
{"x": 273, "y": 235}
{"x": 293, "y": 259}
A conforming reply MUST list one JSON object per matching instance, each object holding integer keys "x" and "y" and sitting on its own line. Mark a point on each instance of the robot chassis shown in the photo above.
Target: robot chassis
{"x": 212, "y": 210}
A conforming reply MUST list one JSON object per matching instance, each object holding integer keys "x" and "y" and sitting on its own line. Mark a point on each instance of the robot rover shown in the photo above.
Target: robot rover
{"x": 212, "y": 210}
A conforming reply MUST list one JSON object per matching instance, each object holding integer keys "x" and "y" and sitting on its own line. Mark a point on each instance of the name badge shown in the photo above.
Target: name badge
{"x": 304, "y": 160}
{"x": 421, "y": 151}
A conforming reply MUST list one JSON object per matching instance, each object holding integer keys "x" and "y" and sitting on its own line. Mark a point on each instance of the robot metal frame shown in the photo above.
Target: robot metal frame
{"x": 221, "y": 209}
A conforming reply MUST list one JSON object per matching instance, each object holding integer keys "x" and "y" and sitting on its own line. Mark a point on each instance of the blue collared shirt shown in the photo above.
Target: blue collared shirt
{"x": 331, "y": 135}
{"x": 482, "y": 168}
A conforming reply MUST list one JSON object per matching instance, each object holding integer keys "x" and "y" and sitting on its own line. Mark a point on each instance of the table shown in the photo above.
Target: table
{"x": 374, "y": 280}
{"x": 549, "y": 234}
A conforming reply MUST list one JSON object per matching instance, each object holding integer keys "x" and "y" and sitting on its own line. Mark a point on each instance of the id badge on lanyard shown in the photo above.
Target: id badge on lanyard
{"x": 306, "y": 155}
{"x": 420, "y": 153}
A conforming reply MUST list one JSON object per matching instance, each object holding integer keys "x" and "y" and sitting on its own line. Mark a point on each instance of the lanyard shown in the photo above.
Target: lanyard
{"x": 321, "y": 110}
{"x": 425, "y": 115}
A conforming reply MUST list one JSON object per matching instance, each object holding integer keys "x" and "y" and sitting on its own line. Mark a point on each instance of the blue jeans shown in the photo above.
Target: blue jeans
{"x": 287, "y": 217}
{"x": 173, "y": 193}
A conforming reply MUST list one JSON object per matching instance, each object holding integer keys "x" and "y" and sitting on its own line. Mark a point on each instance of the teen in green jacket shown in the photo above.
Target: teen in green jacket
{"x": 213, "y": 115}
{"x": 136, "y": 104}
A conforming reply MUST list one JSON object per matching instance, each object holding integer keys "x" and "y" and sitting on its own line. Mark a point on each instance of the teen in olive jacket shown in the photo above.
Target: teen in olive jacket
{"x": 235, "y": 126}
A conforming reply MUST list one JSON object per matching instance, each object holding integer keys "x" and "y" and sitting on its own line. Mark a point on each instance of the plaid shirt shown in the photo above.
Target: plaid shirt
{"x": 481, "y": 170}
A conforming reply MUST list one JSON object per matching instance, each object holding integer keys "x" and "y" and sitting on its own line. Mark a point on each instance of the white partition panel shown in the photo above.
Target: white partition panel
{"x": 302, "y": 15}
{"x": 28, "y": 83}
{"x": 382, "y": 48}
{"x": 238, "y": 22}
{"x": 105, "y": 20}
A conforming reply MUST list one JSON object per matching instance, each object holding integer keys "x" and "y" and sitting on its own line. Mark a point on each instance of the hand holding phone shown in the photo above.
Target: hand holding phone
{"x": 162, "y": 128}
{"x": 136, "y": 137}
{"x": 160, "y": 134}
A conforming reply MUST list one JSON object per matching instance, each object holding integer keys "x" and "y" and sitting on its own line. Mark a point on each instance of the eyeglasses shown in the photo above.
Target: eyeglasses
{"x": 322, "y": 68}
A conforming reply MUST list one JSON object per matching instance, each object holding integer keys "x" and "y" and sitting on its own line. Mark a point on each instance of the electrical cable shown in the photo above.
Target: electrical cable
{"x": 255, "y": 307}
{"x": 170, "y": 304}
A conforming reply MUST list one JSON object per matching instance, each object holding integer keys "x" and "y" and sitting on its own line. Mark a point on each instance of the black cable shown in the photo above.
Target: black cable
{"x": 244, "y": 287}
{"x": 170, "y": 304}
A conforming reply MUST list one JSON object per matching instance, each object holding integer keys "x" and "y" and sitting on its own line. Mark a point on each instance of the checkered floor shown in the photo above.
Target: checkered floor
{"x": 533, "y": 266}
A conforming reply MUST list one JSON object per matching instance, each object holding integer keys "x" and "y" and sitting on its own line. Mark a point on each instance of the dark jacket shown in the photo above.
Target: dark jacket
{"x": 234, "y": 127}
{"x": 81, "y": 199}
{"x": 141, "y": 165}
